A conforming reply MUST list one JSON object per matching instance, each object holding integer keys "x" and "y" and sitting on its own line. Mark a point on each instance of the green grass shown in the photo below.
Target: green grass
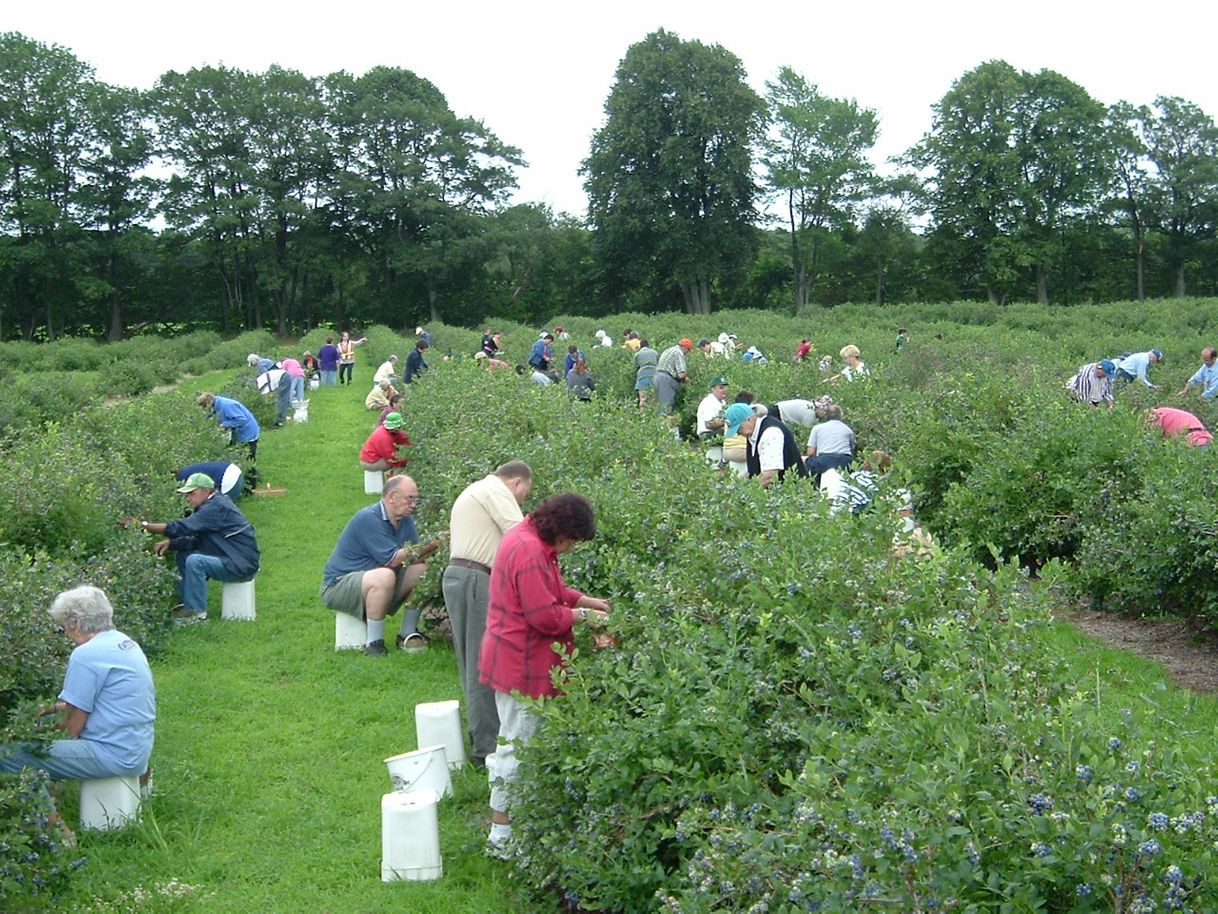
{"x": 270, "y": 745}
{"x": 268, "y": 766}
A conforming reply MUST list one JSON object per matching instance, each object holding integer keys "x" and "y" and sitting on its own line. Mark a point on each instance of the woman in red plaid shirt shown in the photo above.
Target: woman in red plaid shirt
{"x": 529, "y": 610}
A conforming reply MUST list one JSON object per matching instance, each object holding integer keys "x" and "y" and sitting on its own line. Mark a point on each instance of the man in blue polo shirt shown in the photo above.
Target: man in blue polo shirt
{"x": 375, "y": 565}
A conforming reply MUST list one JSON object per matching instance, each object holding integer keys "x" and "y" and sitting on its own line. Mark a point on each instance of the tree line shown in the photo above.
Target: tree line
{"x": 231, "y": 200}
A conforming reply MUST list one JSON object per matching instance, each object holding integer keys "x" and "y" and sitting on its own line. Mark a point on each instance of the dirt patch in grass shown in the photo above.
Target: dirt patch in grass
{"x": 1190, "y": 657}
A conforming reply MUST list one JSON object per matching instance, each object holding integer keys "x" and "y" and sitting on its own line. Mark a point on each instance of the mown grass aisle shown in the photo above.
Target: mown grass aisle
{"x": 268, "y": 764}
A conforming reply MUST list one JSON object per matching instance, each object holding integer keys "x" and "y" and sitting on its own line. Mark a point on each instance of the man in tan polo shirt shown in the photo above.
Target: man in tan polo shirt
{"x": 481, "y": 515}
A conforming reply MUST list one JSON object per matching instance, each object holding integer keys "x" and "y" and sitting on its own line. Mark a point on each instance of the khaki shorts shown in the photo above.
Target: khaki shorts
{"x": 346, "y": 595}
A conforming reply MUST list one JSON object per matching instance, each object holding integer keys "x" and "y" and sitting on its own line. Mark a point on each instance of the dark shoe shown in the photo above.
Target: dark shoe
{"x": 376, "y": 648}
{"x": 478, "y": 761}
{"x": 413, "y": 643}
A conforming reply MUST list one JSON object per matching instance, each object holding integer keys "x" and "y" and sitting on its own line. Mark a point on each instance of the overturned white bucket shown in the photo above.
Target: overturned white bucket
{"x": 107, "y": 803}
{"x": 438, "y": 723}
{"x": 410, "y": 837}
{"x": 423, "y": 769}
{"x": 237, "y": 601}
{"x": 350, "y": 633}
{"x": 301, "y": 410}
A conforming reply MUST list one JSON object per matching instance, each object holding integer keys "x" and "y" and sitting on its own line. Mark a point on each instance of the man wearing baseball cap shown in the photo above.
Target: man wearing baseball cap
{"x": 383, "y": 448}
{"x": 670, "y": 375}
{"x": 710, "y": 419}
{"x": 1093, "y": 383}
{"x": 771, "y": 449}
{"x": 214, "y": 542}
{"x": 1136, "y": 365}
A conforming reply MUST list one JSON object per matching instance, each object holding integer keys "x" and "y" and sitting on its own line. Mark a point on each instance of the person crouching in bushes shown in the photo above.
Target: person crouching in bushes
{"x": 378, "y": 397}
{"x": 214, "y": 541}
{"x": 382, "y": 449}
{"x": 108, "y": 699}
{"x": 529, "y": 611}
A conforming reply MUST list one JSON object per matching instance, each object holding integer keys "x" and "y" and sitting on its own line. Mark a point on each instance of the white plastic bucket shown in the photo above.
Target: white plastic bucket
{"x": 423, "y": 769}
{"x": 350, "y": 633}
{"x": 410, "y": 837}
{"x": 374, "y": 482}
{"x": 107, "y": 803}
{"x": 314, "y": 383}
{"x": 438, "y": 723}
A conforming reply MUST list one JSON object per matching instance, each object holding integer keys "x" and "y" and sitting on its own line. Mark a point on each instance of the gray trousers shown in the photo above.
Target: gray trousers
{"x": 466, "y": 591}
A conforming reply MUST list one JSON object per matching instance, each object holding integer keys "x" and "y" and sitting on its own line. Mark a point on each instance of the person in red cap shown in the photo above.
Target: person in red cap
{"x": 671, "y": 372}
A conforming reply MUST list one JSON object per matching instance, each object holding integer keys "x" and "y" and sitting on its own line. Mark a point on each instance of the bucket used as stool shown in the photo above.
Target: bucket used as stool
{"x": 423, "y": 769}
{"x": 350, "y": 633}
{"x": 438, "y": 723}
{"x": 107, "y": 803}
{"x": 374, "y": 481}
{"x": 410, "y": 837}
{"x": 237, "y": 601}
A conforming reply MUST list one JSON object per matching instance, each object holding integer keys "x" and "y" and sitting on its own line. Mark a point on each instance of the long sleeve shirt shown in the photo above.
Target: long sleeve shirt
{"x": 233, "y": 414}
{"x": 1207, "y": 378}
{"x": 528, "y": 611}
{"x": 1136, "y": 366}
{"x": 383, "y": 444}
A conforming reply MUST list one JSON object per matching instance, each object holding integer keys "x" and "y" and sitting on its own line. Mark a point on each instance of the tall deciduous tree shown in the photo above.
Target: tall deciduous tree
{"x": 204, "y": 136}
{"x": 44, "y": 116}
{"x": 416, "y": 174}
{"x": 1016, "y": 157}
{"x": 669, "y": 175}
{"x": 1130, "y": 186}
{"x": 115, "y": 199}
{"x": 816, "y": 160}
{"x": 1182, "y": 141}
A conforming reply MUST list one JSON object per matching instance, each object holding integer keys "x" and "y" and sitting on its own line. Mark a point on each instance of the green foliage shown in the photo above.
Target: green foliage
{"x": 1154, "y": 550}
{"x": 34, "y": 864}
{"x": 30, "y": 401}
{"x": 669, "y": 184}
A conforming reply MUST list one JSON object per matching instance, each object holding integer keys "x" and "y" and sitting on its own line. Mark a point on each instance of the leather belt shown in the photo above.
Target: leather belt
{"x": 470, "y": 563}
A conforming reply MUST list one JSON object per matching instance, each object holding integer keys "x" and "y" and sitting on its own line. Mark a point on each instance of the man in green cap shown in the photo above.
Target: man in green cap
{"x": 214, "y": 542}
{"x": 710, "y": 419}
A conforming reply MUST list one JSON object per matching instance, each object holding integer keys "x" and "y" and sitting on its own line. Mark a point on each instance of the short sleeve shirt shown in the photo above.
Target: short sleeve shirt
{"x": 368, "y": 541}
{"x": 109, "y": 678}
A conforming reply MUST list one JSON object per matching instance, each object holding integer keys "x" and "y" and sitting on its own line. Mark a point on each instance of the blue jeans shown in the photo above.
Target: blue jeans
{"x": 298, "y": 388}
{"x": 194, "y": 569}
{"x": 818, "y": 463}
{"x": 329, "y": 378}
{"x": 69, "y": 759}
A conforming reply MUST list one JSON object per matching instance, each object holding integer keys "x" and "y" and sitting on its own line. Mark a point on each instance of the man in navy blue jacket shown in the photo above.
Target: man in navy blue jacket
{"x": 214, "y": 541}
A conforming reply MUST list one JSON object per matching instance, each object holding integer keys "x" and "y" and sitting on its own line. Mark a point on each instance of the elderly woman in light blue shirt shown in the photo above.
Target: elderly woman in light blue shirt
{"x": 108, "y": 700}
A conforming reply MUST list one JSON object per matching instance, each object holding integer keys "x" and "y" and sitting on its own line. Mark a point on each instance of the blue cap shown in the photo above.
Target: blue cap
{"x": 1109, "y": 368}
{"x": 1158, "y": 354}
{"x": 735, "y": 416}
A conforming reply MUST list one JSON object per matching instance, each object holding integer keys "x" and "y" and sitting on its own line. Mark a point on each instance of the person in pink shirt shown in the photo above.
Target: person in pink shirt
{"x": 1176, "y": 422}
{"x": 296, "y": 372}
{"x": 529, "y": 610}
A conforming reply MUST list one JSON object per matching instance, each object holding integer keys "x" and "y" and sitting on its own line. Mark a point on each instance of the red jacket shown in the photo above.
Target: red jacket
{"x": 382, "y": 444}
{"x": 529, "y": 609}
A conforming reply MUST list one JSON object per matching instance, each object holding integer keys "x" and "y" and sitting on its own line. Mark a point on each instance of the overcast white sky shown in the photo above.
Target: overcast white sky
{"x": 537, "y": 74}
